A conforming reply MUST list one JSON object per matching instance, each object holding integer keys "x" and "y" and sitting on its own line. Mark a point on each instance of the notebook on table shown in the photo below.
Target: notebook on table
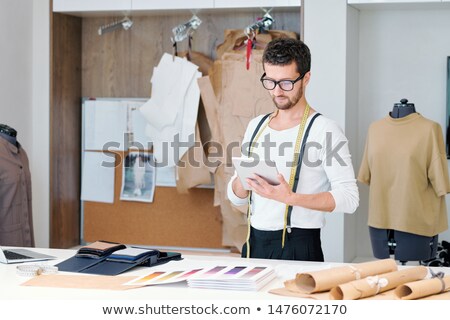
{"x": 16, "y": 255}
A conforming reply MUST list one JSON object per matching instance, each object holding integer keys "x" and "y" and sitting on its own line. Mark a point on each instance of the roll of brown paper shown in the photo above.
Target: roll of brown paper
{"x": 373, "y": 285}
{"x": 440, "y": 296}
{"x": 424, "y": 288}
{"x": 324, "y": 280}
{"x": 288, "y": 293}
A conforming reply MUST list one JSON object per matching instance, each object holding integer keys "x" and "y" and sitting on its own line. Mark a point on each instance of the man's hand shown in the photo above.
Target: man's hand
{"x": 238, "y": 189}
{"x": 280, "y": 192}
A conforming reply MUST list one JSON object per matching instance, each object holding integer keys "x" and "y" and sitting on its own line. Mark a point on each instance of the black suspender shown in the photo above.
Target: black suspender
{"x": 256, "y": 131}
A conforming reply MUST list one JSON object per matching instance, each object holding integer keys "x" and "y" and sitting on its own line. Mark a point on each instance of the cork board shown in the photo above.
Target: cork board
{"x": 173, "y": 219}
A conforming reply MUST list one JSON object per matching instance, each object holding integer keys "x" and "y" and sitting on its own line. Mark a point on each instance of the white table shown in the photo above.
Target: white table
{"x": 11, "y": 282}
{"x": 51, "y": 303}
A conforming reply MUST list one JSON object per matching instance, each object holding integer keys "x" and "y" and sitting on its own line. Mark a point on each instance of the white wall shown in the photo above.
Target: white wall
{"x": 351, "y": 118}
{"x": 325, "y": 33}
{"x": 403, "y": 54}
{"x": 40, "y": 166}
{"x": 24, "y": 78}
{"x": 16, "y": 54}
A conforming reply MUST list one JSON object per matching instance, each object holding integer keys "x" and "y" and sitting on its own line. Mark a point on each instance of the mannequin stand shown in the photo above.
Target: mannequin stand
{"x": 403, "y": 245}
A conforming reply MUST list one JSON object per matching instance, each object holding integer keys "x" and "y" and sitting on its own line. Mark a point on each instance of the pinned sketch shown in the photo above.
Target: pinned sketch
{"x": 166, "y": 177}
{"x": 138, "y": 178}
{"x": 114, "y": 125}
{"x": 98, "y": 177}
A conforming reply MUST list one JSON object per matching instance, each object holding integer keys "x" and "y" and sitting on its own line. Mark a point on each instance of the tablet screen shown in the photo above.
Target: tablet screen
{"x": 247, "y": 167}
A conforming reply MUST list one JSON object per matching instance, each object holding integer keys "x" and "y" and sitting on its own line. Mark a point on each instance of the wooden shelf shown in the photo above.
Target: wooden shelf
{"x": 403, "y": 2}
{"x": 399, "y": 4}
{"x": 88, "y": 8}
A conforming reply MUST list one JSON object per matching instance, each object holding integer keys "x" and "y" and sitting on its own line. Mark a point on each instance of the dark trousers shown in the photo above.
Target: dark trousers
{"x": 300, "y": 244}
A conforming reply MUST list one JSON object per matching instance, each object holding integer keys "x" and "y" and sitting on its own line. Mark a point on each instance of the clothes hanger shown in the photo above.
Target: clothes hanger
{"x": 183, "y": 31}
{"x": 251, "y": 31}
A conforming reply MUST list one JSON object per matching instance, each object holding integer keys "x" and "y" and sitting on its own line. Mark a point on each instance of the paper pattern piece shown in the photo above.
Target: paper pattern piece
{"x": 138, "y": 177}
{"x": 171, "y": 113}
{"x": 424, "y": 288}
{"x": 80, "y": 282}
{"x": 373, "y": 285}
{"x": 97, "y": 183}
{"x": 114, "y": 125}
{"x": 192, "y": 170}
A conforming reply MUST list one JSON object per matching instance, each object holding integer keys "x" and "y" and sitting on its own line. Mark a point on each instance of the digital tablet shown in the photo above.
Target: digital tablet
{"x": 246, "y": 167}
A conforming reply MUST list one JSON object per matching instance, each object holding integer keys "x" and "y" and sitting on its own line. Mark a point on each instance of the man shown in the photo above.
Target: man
{"x": 286, "y": 224}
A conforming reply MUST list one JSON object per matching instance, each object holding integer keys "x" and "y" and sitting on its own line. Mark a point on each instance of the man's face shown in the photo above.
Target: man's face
{"x": 284, "y": 100}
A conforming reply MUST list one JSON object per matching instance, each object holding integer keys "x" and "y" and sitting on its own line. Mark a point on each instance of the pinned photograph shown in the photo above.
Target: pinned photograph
{"x": 138, "y": 180}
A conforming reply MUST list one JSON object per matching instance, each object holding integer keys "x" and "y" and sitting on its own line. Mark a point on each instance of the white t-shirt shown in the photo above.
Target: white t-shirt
{"x": 326, "y": 166}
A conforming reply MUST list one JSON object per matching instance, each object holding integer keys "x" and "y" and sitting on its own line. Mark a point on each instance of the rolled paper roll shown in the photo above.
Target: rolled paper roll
{"x": 324, "y": 280}
{"x": 288, "y": 293}
{"x": 372, "y": 285}
{"x": 290, "y": 285}
{"x": 424, "y": 288}
{"x": 440, "y": 296}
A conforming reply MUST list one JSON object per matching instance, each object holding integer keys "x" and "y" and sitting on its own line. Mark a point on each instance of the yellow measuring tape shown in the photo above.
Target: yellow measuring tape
{"x": 291, "y": 178}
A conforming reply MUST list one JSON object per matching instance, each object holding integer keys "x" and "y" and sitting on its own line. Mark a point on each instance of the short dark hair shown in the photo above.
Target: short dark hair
{"x": 282, "y": 51}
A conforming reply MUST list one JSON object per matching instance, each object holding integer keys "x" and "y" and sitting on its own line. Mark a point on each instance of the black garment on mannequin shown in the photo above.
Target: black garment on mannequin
{"x": 406, "y": 246}
{"x": 8, "y": 133}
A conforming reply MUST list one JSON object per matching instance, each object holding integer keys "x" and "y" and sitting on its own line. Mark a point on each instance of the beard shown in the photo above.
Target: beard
{"x": 285, "y": 103}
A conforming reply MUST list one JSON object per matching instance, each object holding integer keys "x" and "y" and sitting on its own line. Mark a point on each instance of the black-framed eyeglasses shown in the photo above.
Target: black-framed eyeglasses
{"x": 285, "y": 85}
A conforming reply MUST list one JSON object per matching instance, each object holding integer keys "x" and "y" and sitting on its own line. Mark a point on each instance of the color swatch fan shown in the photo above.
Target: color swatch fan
{"x": 246, "y": 278}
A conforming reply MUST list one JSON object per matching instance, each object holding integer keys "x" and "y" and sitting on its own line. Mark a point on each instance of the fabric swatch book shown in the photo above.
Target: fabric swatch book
{"x": 129, "y": 254}
{"x": 106, "y": 258}
{"x": 89, "y": 255}
{"x": 99, "y": 249}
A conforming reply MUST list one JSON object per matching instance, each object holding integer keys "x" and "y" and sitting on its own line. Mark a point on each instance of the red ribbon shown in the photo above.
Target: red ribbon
{"x": 249, "y": 52}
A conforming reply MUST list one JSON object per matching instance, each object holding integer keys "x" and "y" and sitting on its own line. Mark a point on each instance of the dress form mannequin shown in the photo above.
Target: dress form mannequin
{"x": 402, "y": 109}
{"x": 405, "y": 246}
{"x": 16, "y": 221}
{"x": 8, "y": 133}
